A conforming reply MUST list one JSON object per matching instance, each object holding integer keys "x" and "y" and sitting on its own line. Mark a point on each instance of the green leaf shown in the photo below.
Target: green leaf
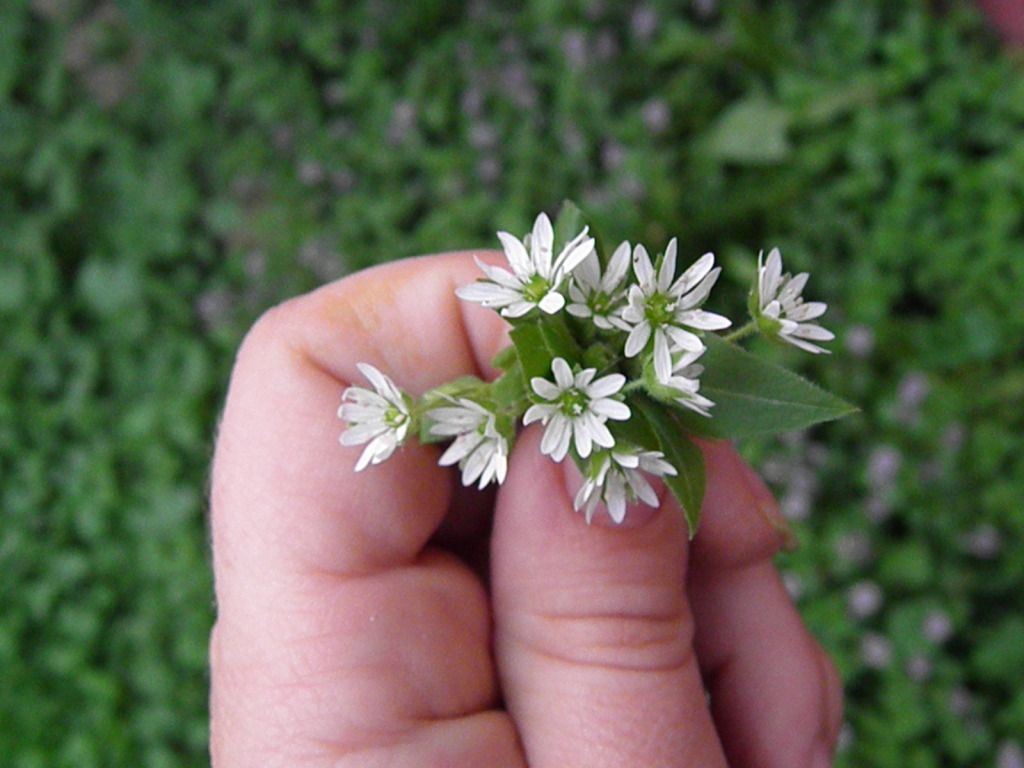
{"x": 755, "y": 397}
{"x": 569, "y": 223}
{"x": 750, "y": 132}
{"x": 659, "y": 427}
{"x": 505, "y": 359}
{"x": 540, "y": 342}
{"x": 509, "y": 392}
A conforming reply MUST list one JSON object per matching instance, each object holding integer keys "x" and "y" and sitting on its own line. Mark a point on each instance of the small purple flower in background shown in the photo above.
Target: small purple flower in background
{"x": 643, "y": 22}
{"x": 342, "y": 180}
{"x": 937, "y": 627}
{"x": 612, "y": 155}
{"x": 334, "y": 93}
{"x": 864, "y": 599}
{"x": 255, "y": 264}
{"x": 656, "y": 115}
{"x": 846, "y": 738}
{"x": 489, "y": 169}
{"x": 607, "y": 46}
{"x": 482, "y": 134}
{"x": 860, "y": 341}
{"x": 911, "y": 393}
{"x": 953, "y": 437}
{"x": 403, "y": 120}
{"x": 705, "y": 8}
{"x": 311, "y": 173}
{"x": 1009, "y": 754}
{"x": 574, "y": 48}
{"x": 960, "y": 702}
{"x": 283, "y": 137}
{"x": 854, "y": 548}
{"x": 794, "y": 585}
{"x": 877, "y": 509}
{"x": 884, "y": 465}
{"x": 983, "y": 542}
{"x": 214, "y": 307}
{"x": 875, "y": 651}
{"x": 919, "y": 668}
{"x": 472, "y": 101}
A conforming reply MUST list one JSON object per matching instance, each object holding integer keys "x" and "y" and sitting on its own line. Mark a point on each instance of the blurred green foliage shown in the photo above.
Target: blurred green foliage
{"x": 169, "y": 170}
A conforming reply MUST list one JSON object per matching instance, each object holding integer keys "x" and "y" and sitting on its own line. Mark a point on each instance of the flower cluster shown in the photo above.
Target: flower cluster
{"x": 607, "y": 351}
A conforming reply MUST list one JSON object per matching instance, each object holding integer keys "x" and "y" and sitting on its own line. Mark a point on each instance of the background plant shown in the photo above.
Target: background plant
{"x": 167, "y": 171}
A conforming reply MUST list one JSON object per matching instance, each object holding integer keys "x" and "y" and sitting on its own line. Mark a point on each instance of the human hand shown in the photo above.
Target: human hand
{"x": 374, "y": 619}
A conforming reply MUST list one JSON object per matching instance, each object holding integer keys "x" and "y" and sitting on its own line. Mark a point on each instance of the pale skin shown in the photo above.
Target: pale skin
{"x": 372, "y": 619}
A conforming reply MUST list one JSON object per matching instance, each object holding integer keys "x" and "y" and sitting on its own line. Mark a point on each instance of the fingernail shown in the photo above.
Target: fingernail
{"x": 767, "y": 506}
{"x": 637, "y": 512}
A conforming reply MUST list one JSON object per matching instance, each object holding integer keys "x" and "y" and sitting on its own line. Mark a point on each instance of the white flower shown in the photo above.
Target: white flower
{"x": 380, "y": 418}
{"x": 479, "y": 448}
{"x": 596, "y": 295}
{"x": 536, "y": 275}
{"x": 577, "y": 409}
{"x": 670, "y": 311}
{"x": 616, "y": 478}
{"x": 779, "y": 300}
{"x": 685, "y": 383}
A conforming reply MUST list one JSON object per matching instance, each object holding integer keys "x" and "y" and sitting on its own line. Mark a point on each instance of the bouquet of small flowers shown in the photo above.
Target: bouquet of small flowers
{"x": 615, "y": 356}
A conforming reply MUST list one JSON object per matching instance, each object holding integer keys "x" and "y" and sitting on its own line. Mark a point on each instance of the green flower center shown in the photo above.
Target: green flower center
{"x": 600, "y": 303}
{"x": 573, "y": 403}
{"x": 394, "y": 418}
{"x": 536, "y": 289}
{"x": 658, "y": 309}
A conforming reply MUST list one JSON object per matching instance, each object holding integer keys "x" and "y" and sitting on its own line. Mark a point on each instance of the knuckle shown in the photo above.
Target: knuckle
{"x": 635, "y": 641}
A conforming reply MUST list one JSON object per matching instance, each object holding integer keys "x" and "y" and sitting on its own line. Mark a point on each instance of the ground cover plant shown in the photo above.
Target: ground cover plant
{"x": 168, "y": 171}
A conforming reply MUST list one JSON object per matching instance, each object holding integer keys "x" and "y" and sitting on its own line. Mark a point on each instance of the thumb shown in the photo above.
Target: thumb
{"x": 592, "y": 628}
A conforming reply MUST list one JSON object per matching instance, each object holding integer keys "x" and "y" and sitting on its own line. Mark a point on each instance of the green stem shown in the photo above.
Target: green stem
{"x": 742, "y": 332}
{"x": 632, "y": 386}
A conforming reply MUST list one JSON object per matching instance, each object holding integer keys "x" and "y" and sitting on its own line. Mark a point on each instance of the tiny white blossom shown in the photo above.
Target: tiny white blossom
{"x": 380, "y": 418}
{"x": 600, "y": 296}
{"x": 479, "y": 448}
{"x": 779, "y": 300}
{"x": 616, "y": 478}
{"x": 685, "y": 381}
{"x": 536, "y": 273}
{"x": 670, "y": 311}
{"x": 576, "y": 410}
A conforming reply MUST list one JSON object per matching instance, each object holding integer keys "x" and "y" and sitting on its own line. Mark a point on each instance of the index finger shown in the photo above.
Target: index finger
{"x": 284, "y": 495}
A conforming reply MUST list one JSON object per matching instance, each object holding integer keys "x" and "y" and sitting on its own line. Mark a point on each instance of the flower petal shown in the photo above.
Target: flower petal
{"x": 552, "y": 302}
{"x": 617, "y": 267}
{"x": 610, "y": 409}
{"x": 637, "y": 339}
{"x": 541, "y": 242}
{"x": 643, "y": 268}
{"x": 583, "y": 440}
{"x": 545, "y": 388}
{"x": 693, "y": 274}
{"x": 516, "y": 254}
{"x": 667, "y": 272}
{"x": 563, "y": 373}
{"x": 606, "y": 385}
{"x": 539, "y": 412}
{"x": 662, "y": 356}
